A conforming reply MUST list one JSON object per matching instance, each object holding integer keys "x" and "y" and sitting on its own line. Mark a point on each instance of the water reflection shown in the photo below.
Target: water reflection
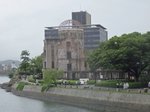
{"x": 12, "y": 103}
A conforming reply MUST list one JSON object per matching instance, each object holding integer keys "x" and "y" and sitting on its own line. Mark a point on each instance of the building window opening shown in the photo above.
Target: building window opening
{"x": 68, "y": 55}
{"x": 69, "y": 67}
{"x": 68, "y": 44}
{"x": 53, "y": 64}
{"x": 44, "y": 64}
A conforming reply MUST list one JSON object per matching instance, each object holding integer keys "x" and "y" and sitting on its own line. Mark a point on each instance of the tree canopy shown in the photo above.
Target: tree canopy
{"x": 36, "y": 65}
{"x": 128, "y": 52}
{"x": 30, "y": 66}
{"x": 51, "y": 75}
{"x": 25, "y": 61}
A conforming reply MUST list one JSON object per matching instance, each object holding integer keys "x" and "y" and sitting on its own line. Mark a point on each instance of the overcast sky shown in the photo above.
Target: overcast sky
{"x": 22, "y": 22}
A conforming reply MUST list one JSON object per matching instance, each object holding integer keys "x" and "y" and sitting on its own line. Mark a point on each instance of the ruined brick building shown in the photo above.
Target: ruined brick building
{"x": 65, "y": 45}
{"x": 66, "y": 52}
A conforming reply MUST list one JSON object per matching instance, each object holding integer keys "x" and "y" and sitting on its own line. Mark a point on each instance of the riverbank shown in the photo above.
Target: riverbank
{"x": 91, "y": 99}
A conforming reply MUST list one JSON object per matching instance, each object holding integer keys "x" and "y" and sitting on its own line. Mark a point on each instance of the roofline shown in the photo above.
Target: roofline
{"x": 77, "y": 26}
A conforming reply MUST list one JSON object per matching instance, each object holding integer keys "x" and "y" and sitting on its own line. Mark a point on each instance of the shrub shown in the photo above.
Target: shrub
{"x": 31, "y": 79}
{"x": 144, "y": 78}
{"x": 10, "y": 75}
{"x": 21, "y": 86}
{"x": 59, "y": 81}
{"x": 72, "y": 82}
{"x": 113, "y": 83}
{"x": 50, "y": 75}
{"x": 91, "y": 82}
{"x": 137, "y": 84}
{"x": 46, "y": 87}
{"x": 108, "y": 83}
{"x": 40, "y": 81}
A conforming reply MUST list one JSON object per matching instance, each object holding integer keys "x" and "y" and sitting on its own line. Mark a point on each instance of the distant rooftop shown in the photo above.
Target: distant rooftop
{"x": 77, "y": 26}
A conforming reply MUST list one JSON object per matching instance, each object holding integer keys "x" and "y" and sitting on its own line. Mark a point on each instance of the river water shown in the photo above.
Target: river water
{"x": 12, "y": 103}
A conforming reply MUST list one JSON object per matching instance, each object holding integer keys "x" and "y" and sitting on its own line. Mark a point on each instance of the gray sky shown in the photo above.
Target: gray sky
{"x": 22, "y": 22}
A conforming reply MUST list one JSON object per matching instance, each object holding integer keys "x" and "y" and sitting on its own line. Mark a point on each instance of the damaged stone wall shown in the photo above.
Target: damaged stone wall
{"x": 71, "y": 41}
{"x": 66, "y": 52}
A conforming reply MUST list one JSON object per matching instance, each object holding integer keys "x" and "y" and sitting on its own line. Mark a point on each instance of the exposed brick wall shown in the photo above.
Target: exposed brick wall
{"x": 70, "y": 40}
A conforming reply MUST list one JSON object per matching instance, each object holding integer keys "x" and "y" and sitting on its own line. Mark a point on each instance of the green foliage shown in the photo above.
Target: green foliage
{"x": 91, "y": 82}
{"x": 20, "y": 86}
{"x": 51, "y": 75}
{"x": 11, "y": 75}
{"x": 36, "y": 65}
{"x": 25, "y": 61}
{"x": 46, "y": 87}
{"x": 24, "y": 55}
{"x": 113, "y": 84}
{"x": 129, "y": 53}
{"x": 41, "y": 82}
{"x": 144, "y": 77}
{"x": 107, "y": 83}
{"x": 72, "y": 82}
{"x": 30, "y": 66}
{"x": 31, "y": 79}
{"x": 137, "y": 85}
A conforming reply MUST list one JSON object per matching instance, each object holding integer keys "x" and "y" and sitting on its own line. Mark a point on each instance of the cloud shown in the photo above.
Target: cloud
{"x": 22, "y": 22}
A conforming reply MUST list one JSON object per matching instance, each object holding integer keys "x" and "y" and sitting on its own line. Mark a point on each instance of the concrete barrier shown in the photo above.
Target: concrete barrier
{"x": 96, "y": 100}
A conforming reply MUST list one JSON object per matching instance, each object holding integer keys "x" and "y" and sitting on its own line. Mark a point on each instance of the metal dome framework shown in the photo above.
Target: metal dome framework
{"x": 69, "y": 24}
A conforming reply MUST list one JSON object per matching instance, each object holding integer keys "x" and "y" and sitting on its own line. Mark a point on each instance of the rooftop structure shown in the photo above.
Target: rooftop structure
{"x": 93, "y": 34}
{"x": 83, "y": 17}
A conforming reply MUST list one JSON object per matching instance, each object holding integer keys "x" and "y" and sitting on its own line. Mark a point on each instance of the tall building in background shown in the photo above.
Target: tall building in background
{"x": 83, "y": 17}
{"x": 93, "y": 33}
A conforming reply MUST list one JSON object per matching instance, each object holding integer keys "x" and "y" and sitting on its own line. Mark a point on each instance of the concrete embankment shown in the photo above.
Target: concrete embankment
{"x": 96, "y": 100}
{"x": 6, "y": 86}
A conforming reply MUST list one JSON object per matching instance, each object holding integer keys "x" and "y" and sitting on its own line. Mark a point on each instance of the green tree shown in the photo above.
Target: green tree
{"x": 51, "y": 75}
{"x": 147, "y": 37}
{"x": 129, "y": 53}
{"x": 36, "y": 65}
{"x": 25, "y": 60}
{"x": 93, "y": 61}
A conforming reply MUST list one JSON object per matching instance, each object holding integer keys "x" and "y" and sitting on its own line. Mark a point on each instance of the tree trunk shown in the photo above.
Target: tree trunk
{"x": 95, "y": 76}
{"x": 136, "y": 76}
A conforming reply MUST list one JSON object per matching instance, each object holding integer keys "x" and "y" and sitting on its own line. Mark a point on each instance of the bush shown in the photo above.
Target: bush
{"x": 41, "y": 81}
{"x": 137, "y": 84}
{"x": 144, "y": 78}
{"x": 11, "y": 75}
{"x": 113, "y": 83}
{"x": 59, "y": 81}
{"x": 31, "y": 79}
{"x": 72, "y": 82}
{"x": 108, "y": 83}
{"x": 46, "y": 87}
{"x": 51, "y": 75}
{"x": 91, "y": 82}
{"x": 21, "y": 86}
